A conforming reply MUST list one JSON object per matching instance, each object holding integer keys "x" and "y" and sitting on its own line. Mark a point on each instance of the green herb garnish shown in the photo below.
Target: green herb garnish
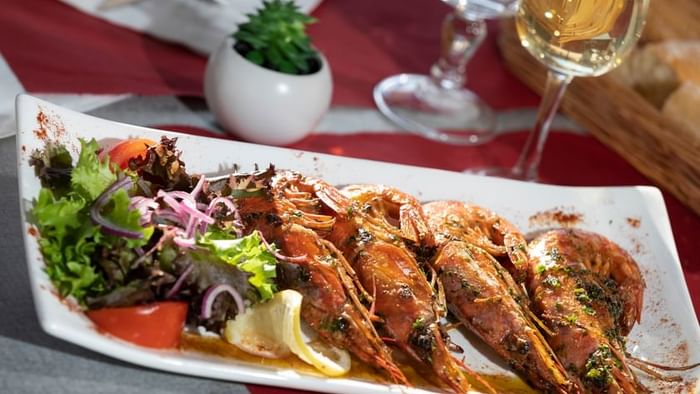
{"x": 598, "y": 367}
{"x": 588, "y": 310}
{"x": 582, "y": 295}
{"x": 551, "y": 282}
{"x": 571, "y": 319}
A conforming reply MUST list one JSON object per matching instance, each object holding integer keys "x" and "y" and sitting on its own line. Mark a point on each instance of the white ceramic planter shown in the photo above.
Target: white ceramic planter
{"x": 261, "y": 105}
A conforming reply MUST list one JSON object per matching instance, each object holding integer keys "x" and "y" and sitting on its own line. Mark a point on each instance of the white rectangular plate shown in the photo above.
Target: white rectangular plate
{"x": 634, "y": 217}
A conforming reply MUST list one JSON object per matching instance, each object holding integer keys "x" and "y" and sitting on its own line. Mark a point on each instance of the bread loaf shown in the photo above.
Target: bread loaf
{"x": 672, "y": 19}
{"x": 657, "y": 70}
{"x": 667, "y": 74}
{"x": 683, "y": 106}
{"x": 682, "y": 56}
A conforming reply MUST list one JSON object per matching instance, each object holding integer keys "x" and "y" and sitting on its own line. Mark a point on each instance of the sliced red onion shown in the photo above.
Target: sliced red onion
{"x": 185, "y": 213}
{"x": 213, "y": 292}
{"x": 136, "y": 201}
{"x": 279, "y": 256}
{"x": 191, "y": 225}
{"x": 203, "y": 227}
{"x": 196, "y": 213}
{"x": 183, "y": 242}
{"x": 171, "y": 216}
{"x": 170, "y": 201}
{"x": 183, "y": 196}
{"x": 230, "y": 206}
{"x": 146, "y": 217}
{"x": 220, "y": 200}
{"x": 178, "y": 283}
{"x": 145, "y": 206}
{"x": 105, "y": 225}
{"x": 197, "y": 187}
{"x": 183, "y": 207}
{"x": 142, "y": 202}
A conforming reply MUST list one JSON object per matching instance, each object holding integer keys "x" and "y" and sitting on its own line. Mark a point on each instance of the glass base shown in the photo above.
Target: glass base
{"x": 417, "y": 104}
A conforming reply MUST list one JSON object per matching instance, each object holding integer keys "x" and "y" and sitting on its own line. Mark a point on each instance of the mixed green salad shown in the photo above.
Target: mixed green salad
{"x": 119, "y": 234}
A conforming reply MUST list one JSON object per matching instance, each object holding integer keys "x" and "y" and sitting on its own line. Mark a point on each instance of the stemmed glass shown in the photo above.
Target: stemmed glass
{"x": 573, "y": 38}
{"x": 437, "y": 106}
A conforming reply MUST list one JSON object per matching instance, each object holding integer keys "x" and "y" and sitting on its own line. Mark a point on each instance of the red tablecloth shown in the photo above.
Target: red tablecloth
{"x": 53, "y": 48}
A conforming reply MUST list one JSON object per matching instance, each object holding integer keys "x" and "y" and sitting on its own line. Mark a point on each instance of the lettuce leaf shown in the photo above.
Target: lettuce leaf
{"x": 91, "y": 176}
{"x": 69, "y": 241}
{"x": 249, "y": 254}
{"x": 57, "y": 217}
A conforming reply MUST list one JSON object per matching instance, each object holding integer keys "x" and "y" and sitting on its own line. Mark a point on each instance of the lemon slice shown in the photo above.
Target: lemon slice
{"x": 273, "y": 329}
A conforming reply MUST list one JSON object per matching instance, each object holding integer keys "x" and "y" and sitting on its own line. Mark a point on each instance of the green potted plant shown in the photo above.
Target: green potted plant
{"x": 266, "y": 83}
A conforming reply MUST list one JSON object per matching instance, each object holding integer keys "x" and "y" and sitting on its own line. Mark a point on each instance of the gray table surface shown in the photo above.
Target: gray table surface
{"x": 32, "y": 361}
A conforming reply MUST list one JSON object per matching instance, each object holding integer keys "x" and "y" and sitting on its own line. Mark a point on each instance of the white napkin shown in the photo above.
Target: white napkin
{"x": 198, "y": 24}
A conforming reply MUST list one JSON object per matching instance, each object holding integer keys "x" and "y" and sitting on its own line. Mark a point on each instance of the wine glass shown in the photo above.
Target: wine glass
{"x": 437, "y": 106}
{"x": 573, "y": 38}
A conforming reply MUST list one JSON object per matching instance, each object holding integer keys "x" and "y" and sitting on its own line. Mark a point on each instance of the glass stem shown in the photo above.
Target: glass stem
{"x": 460, "y": 39}
{"x": 528, "y": 163}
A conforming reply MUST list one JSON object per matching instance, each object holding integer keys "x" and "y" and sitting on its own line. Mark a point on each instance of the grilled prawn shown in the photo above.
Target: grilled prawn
{"x": 589, "y": 293}
{"x": 402, "y": 301}
{"x": 486, "y": 299}
{"x": 483, "y": 228}
{"x": 330, "y": 303}
{"x": 331, "y": 294}
{"x": 398, "y": 218}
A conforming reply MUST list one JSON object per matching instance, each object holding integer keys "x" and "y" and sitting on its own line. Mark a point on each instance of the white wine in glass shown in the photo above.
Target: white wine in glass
{"x": 573, "y": 38}
{"x": 580, "y": 37}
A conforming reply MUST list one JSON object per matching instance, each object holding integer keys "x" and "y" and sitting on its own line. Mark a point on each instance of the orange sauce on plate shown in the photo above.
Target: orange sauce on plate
{"x": 359, "y": 371}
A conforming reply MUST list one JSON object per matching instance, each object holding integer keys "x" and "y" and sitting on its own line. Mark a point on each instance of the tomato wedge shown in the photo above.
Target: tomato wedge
{"x": 156, "y": 325}
{"x": 121, "y": 153}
